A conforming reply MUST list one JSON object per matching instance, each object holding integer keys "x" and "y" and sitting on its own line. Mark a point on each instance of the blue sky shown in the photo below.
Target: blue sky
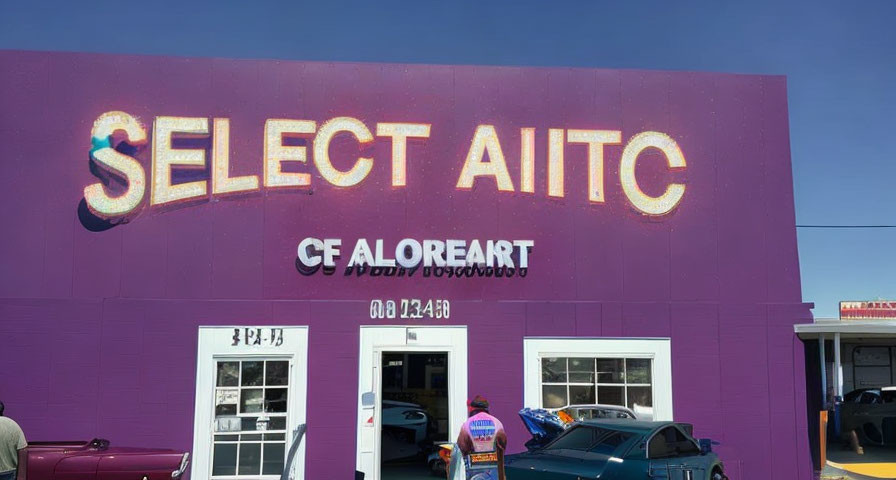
{"x": 839, "y": 57}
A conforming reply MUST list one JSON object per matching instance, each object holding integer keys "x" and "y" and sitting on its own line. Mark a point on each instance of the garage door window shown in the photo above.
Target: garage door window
{"x": 591, "y": 380}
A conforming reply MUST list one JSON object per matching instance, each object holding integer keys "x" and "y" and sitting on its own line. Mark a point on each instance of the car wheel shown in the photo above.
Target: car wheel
{"x": 718, "y": 475}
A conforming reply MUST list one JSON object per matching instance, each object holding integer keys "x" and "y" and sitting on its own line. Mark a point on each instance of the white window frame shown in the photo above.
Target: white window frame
{"x": 215, "y": 344}
{"x": 657, "y": 349}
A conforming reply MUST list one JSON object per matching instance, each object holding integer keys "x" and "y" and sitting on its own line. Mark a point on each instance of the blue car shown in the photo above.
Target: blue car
{"x": 613, "y": 450}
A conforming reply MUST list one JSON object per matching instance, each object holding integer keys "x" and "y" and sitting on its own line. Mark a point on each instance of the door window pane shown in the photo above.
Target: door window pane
{"x": 250, "y": 458}
{"x": 276, "y": 373}
{"x": 554, "y": 396}
{"x": 252, "y": 374}
{"x": 224, "y": 459}
{"x": 553, "y": 370}
{"x": 228, "y": 374}
{"x": 273, "y": 459}
{"x": 277, "y": 423}
{"x": 250, "y": 400}
{"x": 249, "y": 424}
{"x": 275, "y": 400}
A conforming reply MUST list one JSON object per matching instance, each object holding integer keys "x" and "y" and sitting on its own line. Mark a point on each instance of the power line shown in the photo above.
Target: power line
{"x": 846, "y": 226}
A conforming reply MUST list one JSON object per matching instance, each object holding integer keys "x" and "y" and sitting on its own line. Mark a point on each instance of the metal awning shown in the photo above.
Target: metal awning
{"x": 846, "y": 328}
{"x": 837, "y": 330}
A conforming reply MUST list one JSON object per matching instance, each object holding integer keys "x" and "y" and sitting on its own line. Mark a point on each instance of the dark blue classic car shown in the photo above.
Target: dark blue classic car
{"x": 617, "y": 450}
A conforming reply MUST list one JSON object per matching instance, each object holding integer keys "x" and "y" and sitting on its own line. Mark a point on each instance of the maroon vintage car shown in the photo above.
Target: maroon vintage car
{"x": 95, "y": 460}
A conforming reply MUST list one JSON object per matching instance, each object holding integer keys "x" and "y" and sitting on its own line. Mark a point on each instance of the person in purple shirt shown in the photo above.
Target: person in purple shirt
{"x": 482, "y": 441}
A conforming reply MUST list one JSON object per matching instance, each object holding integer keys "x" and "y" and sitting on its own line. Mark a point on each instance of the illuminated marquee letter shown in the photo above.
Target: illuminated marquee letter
{"x": 222, "y": 182}
{"x": 666, "y": 202}
{"x": 109, "y": 159}
{"x": 400, "y": 133}
{"x": 322, "y": 151}
{"x": 596, "y": 139}
{"x": 555, "y": 162}
{"x": 527, "y": 160}
{"x": 275, "y": 152}
{"x": 485, "y": 140}
{"x": 164, "y": 157}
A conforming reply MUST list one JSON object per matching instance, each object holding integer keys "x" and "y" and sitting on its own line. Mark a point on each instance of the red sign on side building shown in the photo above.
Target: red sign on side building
{"x": 876, "y": 310}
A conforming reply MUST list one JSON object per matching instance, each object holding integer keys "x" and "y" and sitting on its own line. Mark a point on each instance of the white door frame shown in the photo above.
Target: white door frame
{"x": 658, "y": 349}
{"x": 429, "y": 338}
{"x": 216, "y": 343}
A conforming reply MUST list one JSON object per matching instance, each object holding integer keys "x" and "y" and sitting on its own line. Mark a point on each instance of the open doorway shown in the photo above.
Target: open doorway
{"x": 851, "y": 396}
{"x": 412, "y": 390}
{"x": 415, "y": 412}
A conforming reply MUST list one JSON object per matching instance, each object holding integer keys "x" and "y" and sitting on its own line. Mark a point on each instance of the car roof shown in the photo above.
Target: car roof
{"x": 625, "y": 425}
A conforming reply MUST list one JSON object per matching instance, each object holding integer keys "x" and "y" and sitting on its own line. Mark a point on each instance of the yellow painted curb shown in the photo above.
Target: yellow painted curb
{"x": 877, "y": 470}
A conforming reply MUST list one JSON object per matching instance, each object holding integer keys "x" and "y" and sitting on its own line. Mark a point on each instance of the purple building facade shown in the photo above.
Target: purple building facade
{"x": 101, "y": 313}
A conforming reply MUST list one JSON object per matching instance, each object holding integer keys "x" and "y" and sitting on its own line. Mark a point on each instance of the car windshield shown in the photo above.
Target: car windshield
{"x": 590, "y": 439}
{"x": 670, "y": 442}
{"x": 889, "y": 396}
{"x": 853, "y": 396}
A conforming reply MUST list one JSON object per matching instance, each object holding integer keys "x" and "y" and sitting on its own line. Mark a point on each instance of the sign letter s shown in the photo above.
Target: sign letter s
{"x": 112, "y": 163}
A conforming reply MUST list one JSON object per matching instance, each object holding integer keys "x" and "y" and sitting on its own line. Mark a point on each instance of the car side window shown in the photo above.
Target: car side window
{"x": 870, "y": 398}
{"x": 670, "y": 442}
{"x": 853, "y": 396}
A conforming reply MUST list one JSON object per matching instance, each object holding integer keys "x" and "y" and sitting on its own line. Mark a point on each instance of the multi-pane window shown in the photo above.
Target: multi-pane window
{"x": 251, "y": 398}
{"x": 588, "y": 380}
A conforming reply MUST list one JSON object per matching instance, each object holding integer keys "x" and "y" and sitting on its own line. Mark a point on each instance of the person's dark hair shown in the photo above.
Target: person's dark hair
{"x": 478, "y": 404}
{"x": 1, "y": 409}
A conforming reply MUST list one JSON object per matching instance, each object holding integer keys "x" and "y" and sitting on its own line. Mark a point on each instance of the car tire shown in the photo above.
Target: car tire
{"x": 718, "y": 475}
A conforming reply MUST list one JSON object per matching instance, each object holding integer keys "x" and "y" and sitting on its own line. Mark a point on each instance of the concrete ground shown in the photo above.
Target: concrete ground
{"x": 877, "y": 463}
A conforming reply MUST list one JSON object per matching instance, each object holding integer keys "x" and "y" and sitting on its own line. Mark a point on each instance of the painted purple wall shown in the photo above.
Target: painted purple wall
{"x": 99, "y": 328}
